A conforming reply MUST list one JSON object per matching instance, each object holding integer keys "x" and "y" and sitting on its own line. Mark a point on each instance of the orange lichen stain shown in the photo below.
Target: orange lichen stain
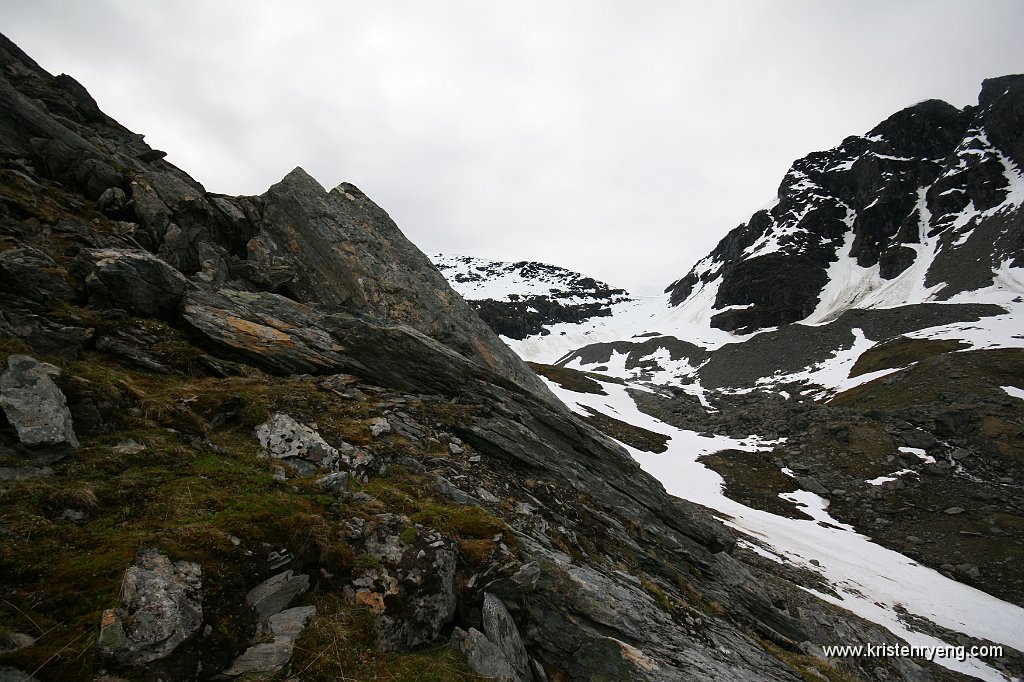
{"x": 371, "y": 600}
{"x": 483, "y": 352}
{"x": 258, "y": 331}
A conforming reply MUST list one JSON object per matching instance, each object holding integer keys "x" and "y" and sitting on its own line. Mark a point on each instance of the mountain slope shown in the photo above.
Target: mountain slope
{"x": 286, "y": 447}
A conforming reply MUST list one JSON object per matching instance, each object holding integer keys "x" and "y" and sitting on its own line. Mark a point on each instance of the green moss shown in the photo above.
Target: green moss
{"x": 202, "y": 493}
{"x": 413, "y": 496}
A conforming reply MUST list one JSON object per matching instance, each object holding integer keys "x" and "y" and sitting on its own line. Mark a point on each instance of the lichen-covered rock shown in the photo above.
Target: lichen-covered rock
{"x": 299, "y": 445}
{"x": 34, "y": 404}
{"x": 408, "y": 582}
{"x": 501, "y": 629}
{"x": 265, "y": 329}
{"x": 484, "y": 656}
{"x": 161, "y": 610}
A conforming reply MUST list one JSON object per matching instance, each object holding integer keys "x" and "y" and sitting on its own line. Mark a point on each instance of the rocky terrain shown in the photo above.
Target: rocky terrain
{"x": 261, "y": 437}
{"x": 856, "y": 347}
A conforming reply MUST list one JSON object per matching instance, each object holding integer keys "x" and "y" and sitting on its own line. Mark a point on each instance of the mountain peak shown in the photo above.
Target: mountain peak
{"x": 894, "y": 209}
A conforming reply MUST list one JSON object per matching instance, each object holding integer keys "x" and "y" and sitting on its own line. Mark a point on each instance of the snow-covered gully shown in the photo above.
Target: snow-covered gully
{"x": 873, "y": 582}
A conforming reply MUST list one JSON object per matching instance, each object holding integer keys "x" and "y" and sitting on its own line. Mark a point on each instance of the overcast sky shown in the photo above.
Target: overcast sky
{"x": 620, "y": 139}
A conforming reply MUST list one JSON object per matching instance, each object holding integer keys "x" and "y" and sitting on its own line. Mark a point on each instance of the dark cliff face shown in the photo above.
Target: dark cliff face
{"x": 919, "y": 173}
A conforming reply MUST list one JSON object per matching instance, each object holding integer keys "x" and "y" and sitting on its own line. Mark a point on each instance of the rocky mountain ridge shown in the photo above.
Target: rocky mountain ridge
{"x": 285, "y": 446}
{"x": 926, "y": 205}
{"x": 522, "y": 299}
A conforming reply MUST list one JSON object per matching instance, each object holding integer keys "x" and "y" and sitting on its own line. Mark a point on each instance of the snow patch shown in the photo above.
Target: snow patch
{"x": 871, "y": 581}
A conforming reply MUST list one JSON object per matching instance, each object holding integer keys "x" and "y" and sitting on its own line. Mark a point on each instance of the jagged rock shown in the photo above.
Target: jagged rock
{"x": 132, "y": 354}
{"x": 379, "y": 425}
{"x": 334, "y": 483}
{"x": 265, "y": 657}
{"x": 161, "y": 610}
{"x": 501, "y": 629}
{"x": 44, "y": 335}
{"x": 450, "y": 492}
{"x": 342, "y": 249}
{"x": 133, "y": 279}
{"x": 34, "y": 404}
{"x": 483, "y": 656}
{"x": 32, "y": 274}
{"x": 275, "y": 593}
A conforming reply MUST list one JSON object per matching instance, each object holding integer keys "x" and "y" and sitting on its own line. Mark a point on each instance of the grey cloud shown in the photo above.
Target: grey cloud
{"x": 619, "y": 140}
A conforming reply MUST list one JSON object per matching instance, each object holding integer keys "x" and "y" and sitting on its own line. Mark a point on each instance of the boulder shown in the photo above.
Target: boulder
{"x": 161, "y": 610}
{"x": 409, "y": 584}
{"x": 270, "y": 331}
{"x": 44, "y": 335}
{"x": 523, "y": 581}
{"x": 33, "y": 403}
{"x": 133, "y": 279}
{"x": 301, "y": 446}
{"x": 29, "y": 273}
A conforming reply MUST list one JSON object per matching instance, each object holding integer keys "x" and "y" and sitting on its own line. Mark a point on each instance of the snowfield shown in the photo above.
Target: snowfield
{"x": 873, "y": 582}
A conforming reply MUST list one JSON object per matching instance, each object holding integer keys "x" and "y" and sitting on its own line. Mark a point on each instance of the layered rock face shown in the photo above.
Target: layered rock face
{"x": 932, "y": 186}
{"x": 336, "y": 250}
{"x": 438, "y": 485}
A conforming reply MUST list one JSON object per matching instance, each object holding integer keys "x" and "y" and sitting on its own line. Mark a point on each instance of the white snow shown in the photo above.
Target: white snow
{"x": 479, "y": 279}
{"x": 871, "y": 581}
{"x": 926, "y": 458}
{"x": 891, "y": 477}
{"x": 1014, "y": 391}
